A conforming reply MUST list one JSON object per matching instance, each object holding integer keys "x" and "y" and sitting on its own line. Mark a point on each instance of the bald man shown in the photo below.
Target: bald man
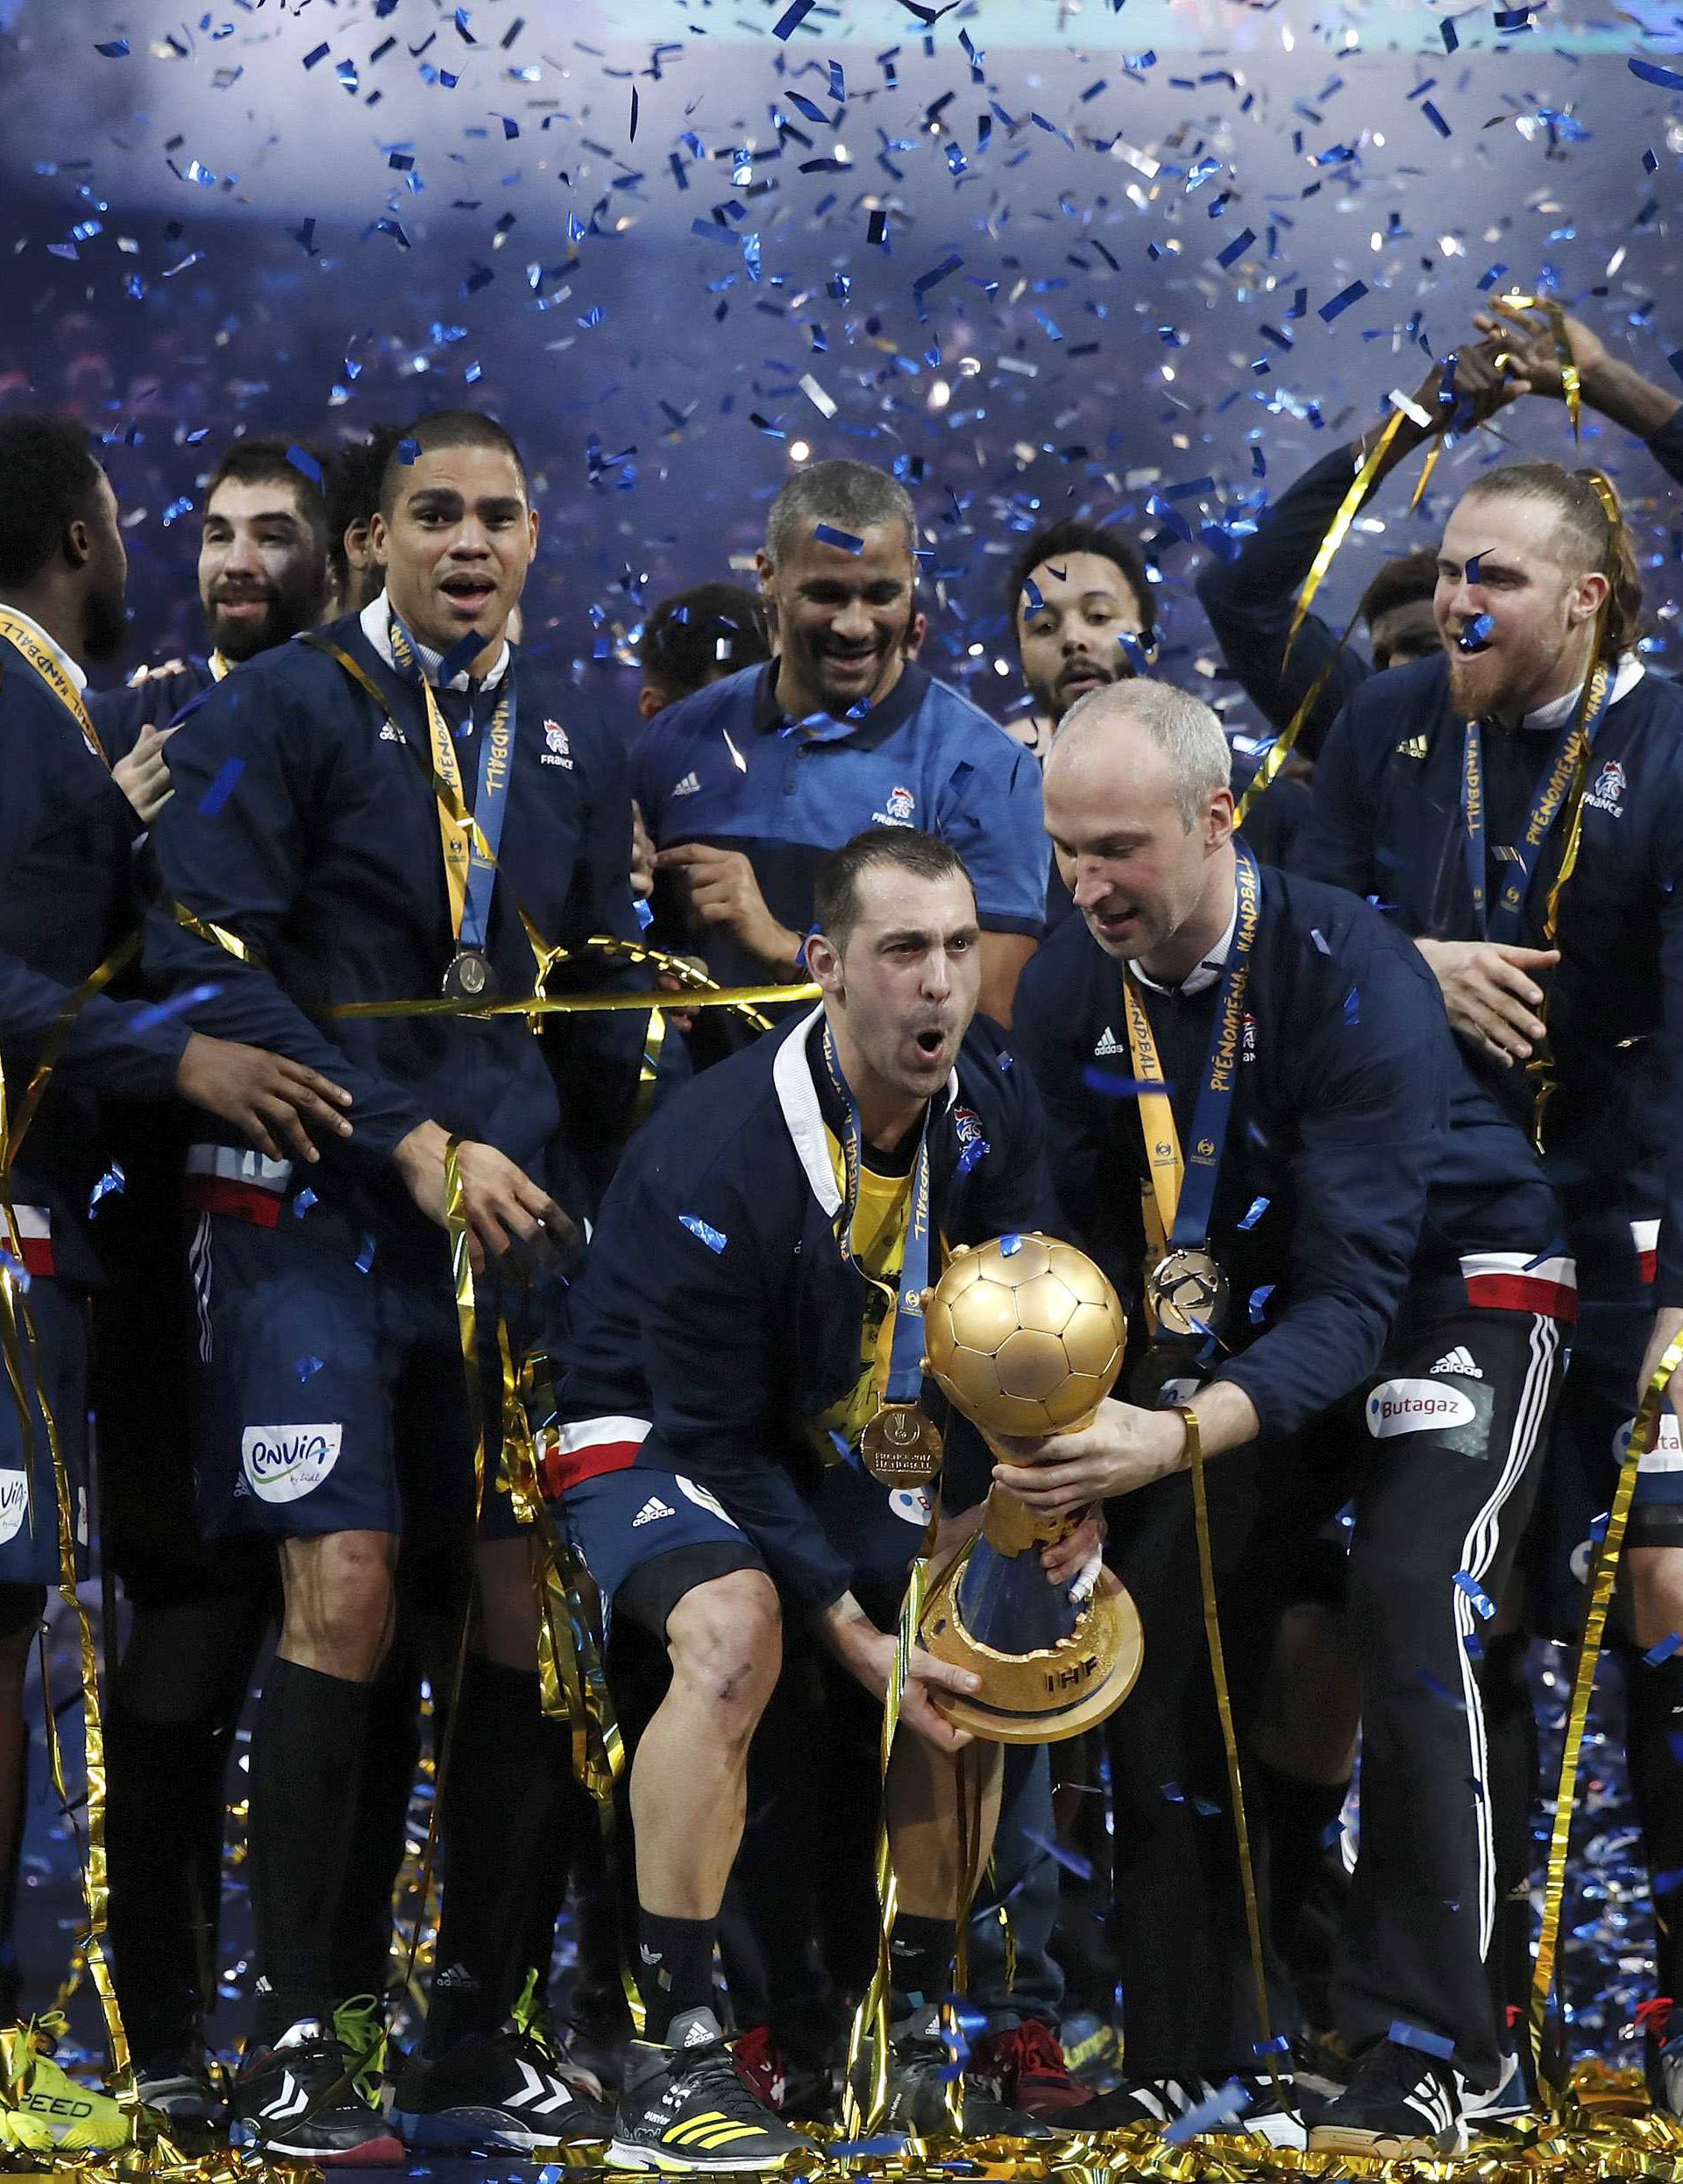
{"x": 1347, "y": 1289}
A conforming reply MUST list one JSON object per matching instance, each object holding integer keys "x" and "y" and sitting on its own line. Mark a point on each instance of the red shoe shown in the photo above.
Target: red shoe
{"x": 1025, "y": 2069}
{"x": 787, "y": 2084}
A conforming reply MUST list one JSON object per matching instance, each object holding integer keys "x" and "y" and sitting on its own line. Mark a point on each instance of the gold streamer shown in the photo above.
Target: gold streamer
{"x": 53, "y": 1046}
{"x": 585, "y": 1004}
{"x": 1602, "y": 1576}
{"x": 1280, "y": 750}
{"x": 203, "y": 929}
{"x": 1340, "y": 524}
{"x": 1229, "y": 1741}
{"x": 1511, "y": 306}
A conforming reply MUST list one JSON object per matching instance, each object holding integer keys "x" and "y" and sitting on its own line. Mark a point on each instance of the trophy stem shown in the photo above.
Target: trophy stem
{"x": 1009, "y": 1525}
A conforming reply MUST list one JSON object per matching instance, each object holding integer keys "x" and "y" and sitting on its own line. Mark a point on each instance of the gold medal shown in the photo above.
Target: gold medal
{"x": 901, "y": 1445}
{"x": 1187, "y": 1292}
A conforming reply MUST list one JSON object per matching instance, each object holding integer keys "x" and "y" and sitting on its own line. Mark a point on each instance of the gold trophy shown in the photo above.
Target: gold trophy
{"x": 1025, "y": 1337}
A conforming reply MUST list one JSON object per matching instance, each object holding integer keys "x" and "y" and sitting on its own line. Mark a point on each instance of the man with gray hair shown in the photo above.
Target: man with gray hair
{"x": 746, "y": 785}
{"x": 1260, "y": 1126}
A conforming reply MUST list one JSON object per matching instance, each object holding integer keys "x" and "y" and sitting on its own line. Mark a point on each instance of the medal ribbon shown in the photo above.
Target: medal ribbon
{"x": 904, "y": 1379}
{"x": 23, "y": 638}
{"x": 470, "y": 844}
{"x": 1561, "y": 790}
{"x": 1183, "y": 1194}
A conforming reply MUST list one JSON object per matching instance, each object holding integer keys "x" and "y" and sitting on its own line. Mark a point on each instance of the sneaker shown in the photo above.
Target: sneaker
{"x": 359, "y": 2027}
{"x": 1092, "y": 2050}
{"x": 685, "y": 2107}
{"x": 920, "y": 2075}
{"x": 1026, "y": 2068}
{"x": 1508, "y": 2102}
{"x": 1244, "y": 2104}
{"x": 560, "y": 2044}
{"x": 1401, "y": 2105}
{"x": 297, "y": 2098}
{"x": 44, "y": 2109}
{"x": 789, "y": 2082}
{"x": 494, "y": 2090}
{"x": 180, "y": 2087}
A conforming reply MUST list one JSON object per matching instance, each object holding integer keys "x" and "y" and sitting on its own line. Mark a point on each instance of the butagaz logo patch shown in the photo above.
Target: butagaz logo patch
{"x": 898, "y": 807}
{"x": 286, "y": 1463}
{"x": 556, "y": 749}
{"x": 1398, "y": 1407}
{"x": 1106, "y": 1045}
{"x": 14, "y": 1503}
{"x": 1606, "y": 792}
{"x": 1666, "y": 1455}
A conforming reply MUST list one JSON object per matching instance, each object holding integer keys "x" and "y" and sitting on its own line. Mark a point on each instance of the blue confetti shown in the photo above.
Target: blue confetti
{"x": 1010, "y": 1246}
{"x": 1257, "y": 1308}
{"x": 1114, "y": 1087}
{"x": 304, "y": 1200}
{"x": 1651, "y": 72}
{"x": 108, "y": 1185}
{"x": 1441, "y": 1693}
{"x": 162, "y": 1010}
{"x": 845, "y": 540}
{"x": 459, "y": 658}
{"x": 113, "y": 49}
{"x": 1452, "y": 37}
{"x": 713, "y": 1238}
{"x": 1476, "y": 636}
{"x": 302, "y": 460}
{"x": 792, "y": 17}
{"x": 1069, "y": 1860}
{"x": 1667, "y": 1645}
{"x": 979, "y": 1149}
{"x": 1174, "y": 1793}
{"x": 1227, "y": 2103}
{"x": 222, "y": 787}
{"x": 1434, "y": 118}
{"x": 1237, "y": 248}
{"x": 307, "y": 1367}
{"x": 1278, "y": 2046}
{"x": 1342, "y": 301}
{"x": 1258, "y": 1208}
{"x": 1476, "y": 1593}
{"x": 645, "y": 915}
{"x": 1663, "y": 1883}
{"x": 1402, "y": 2034}
{"x": 365, "y": 1255}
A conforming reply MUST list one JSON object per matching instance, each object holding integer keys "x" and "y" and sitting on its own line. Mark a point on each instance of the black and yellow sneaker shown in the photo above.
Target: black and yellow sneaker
{"x": 41, "y": 2108}
{"x": 684, "y": 2108}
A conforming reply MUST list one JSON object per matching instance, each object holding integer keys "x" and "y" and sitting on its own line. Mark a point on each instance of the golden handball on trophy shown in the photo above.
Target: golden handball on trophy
{"x": 1025, "y": 1337}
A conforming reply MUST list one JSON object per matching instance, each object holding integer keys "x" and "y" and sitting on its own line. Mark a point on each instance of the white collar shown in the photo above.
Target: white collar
{"x": 791, "y": 1074}
{"x": 376, "y": 619}
{"x": 77, "y": 674}
{"x": 1558, "y": 711}
{"x": 1202, "y": 976}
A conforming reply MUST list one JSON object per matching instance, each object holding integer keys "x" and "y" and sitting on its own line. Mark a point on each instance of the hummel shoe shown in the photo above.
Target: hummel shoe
{"x": 684, "y": 2108}
{"x": 494, "y": 2090}
{"x": 1245, "y": 2105}
{"x": 45, "y": 2110}
{"x": 298, "y": 2099}
{"x": 1401, "y": 2105}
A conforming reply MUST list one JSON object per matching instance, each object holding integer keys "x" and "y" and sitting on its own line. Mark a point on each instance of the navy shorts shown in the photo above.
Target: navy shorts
{"x": 625, "y": 1522}
{"x": 1591, "y": 1432}
{"x": 29, "y": 1502}
{"x": 331, "y": 1400}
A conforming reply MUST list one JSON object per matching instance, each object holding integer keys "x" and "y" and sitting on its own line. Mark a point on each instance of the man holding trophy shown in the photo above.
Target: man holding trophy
{"x": 1254, "y": 1096}
{"x": 746, "y": 1435}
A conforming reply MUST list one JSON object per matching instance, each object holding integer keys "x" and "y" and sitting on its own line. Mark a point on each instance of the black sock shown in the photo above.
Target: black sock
{"x": 306, "y": 1772}
{"x": 1654, "y": 1741}
{"x": 501, "y": 1818}
{"x": 676, "y": 1969}
{"x": 922, "y": 1956}
{"x": 362, "y": 1938}
{"x": 1298, "y": 1816}
{"x": 1511, "y": 1787}
{"x": 164, "y": 1843}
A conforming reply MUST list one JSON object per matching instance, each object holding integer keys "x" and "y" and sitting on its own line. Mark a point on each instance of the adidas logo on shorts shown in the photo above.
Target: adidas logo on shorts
{"x": 1459, "y": 1361}
{"x": 688, "y": 787}
{"x": 651, "y": 1510}
{"x": 1107, "y": 1043}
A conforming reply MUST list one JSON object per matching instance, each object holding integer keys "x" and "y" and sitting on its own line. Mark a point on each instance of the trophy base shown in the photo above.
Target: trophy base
{"x": 1042, "y": 1696}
